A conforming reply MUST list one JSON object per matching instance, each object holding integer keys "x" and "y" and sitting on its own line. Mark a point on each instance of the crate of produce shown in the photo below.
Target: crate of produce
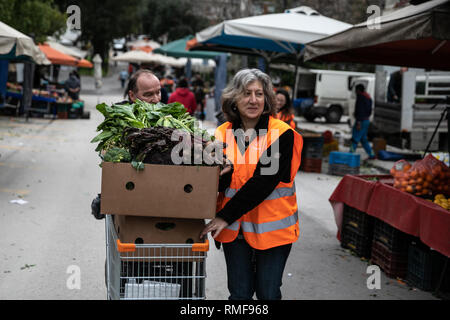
{"x": 342, "y": 169}
{"x": 311, "y": 165}
{"x": 358, "y": 220}
{"x": 424, "y": 267}
{"x": 358, "y": 243}
{"x": 391, "y": 237}
{"x": 393, "y": 263}
{"x": 312, "y": 146}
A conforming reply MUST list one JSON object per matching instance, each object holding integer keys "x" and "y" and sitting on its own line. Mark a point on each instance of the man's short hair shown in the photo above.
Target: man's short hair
{"x": 360, "y": 87}
{"x": 132, "y": 83}
{"x": 182, "y": 83}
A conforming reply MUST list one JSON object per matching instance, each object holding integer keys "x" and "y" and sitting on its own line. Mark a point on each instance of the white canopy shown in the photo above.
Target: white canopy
{"x": 71, "y": 51}
{"x": 25, "y": 46}
{"x": 143, "y": 43}
{"x": 138, "y": 56}
{"x": 280, "y": 32}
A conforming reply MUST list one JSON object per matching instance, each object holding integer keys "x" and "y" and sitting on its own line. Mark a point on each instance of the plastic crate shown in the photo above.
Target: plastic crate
{"x": 394, "y": 264}
{"x": 312, "y": 147}
{"x": 347, "y": 158}
{"x": 424, "y": 267}
{"x": 358, "y": 243}
{"x": 391, "y": 237}
{"x": 358, "y": 220}
{"x": 342, "y": 169}
{"x": 311, "y": 165}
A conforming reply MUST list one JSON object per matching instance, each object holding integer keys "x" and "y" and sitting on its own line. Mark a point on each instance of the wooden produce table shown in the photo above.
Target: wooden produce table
{"x": 405, "y": 212}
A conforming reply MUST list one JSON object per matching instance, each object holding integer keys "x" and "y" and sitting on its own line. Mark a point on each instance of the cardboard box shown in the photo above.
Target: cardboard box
{"x": 159, "y": 190}
{"x": 151, "y": 230}
{"x": 155, "y": 230}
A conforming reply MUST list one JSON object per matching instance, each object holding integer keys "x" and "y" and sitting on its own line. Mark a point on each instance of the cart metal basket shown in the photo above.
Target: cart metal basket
{"x": 154, "y": 271}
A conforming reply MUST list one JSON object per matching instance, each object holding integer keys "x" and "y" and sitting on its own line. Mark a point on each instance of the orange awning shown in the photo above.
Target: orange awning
{"x": 57, "y": 57}
{"x": 83, "y": 63}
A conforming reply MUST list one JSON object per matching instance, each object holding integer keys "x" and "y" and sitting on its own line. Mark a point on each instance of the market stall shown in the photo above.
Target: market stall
{"x": 410, "y": 214}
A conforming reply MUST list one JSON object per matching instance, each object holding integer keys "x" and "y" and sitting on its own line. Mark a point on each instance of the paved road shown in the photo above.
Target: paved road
{"x": 52, "y": 166}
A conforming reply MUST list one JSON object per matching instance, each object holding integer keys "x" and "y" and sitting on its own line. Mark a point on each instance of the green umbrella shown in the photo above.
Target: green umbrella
{"x": 177, "y": 49}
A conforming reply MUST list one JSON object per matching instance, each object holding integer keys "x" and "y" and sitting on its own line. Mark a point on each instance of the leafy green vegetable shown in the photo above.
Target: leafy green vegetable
{"x": 140, "y": 115}
{"x": 116, "y": 154}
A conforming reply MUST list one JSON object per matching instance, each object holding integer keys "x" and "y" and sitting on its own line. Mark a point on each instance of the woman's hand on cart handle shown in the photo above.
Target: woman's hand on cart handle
{"x": 215, "y": 226}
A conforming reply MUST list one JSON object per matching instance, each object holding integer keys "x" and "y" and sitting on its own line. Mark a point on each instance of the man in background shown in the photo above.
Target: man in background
{"x": 395, "y": 85}
{"x": 363, "y": 110}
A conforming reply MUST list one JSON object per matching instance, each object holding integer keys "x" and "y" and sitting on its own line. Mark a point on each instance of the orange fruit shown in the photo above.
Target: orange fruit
{"x": 409, "y": 189}
{"x": 406, "y": 167}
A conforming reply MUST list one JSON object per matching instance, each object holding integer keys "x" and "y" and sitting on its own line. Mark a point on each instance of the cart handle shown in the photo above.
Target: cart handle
{"x": 131, "y": 247}
{"x": 203, "y": 247}
{"x": 125, "y": 247}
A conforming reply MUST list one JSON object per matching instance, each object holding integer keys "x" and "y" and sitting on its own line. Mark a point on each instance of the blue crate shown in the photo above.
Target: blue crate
{"x": 347, "y": 158}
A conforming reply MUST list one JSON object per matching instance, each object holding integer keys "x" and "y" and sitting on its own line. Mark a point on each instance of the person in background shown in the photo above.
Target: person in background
{"x": 395, "y": 85}
{"x": 257, "y": 214}
{"x": 123, "y": 76}
{"x": 363, "y": 110}
{"x": 285, "y": 111}
{"x": 199, "y": 92}
{"x": 184, "y": 96}
{"x": 73, "y": 85}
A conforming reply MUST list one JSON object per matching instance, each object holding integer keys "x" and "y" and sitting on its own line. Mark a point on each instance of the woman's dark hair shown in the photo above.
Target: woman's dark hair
{"x": 236, "y": 88}
{"x": 132, "y": 82}
{"x": 287, "y": 108}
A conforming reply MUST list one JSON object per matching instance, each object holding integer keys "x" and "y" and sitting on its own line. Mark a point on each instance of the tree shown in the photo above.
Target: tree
{"x": 37, "y": 19}
{"x": 101, "y": 22}
{"x": 176, "y": 18}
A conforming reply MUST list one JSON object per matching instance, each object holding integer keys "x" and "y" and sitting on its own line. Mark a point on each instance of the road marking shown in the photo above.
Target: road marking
{"x": 20, "y": 192}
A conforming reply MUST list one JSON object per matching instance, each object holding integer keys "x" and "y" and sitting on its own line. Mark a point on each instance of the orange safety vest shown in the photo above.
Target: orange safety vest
{"x": 289, "y": 119}
{"x": 274, "y": 222}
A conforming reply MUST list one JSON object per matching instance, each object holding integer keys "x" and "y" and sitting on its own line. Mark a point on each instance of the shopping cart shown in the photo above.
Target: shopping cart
{"x": 154, "y": 271}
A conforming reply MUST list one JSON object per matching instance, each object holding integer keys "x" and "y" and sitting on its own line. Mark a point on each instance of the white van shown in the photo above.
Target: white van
{"x": 331, "y": 92}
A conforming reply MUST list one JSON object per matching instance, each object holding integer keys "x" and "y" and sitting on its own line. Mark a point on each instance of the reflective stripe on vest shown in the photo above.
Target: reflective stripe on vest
{"x": 265, "y": 226}
{"x": 276, "y": 194}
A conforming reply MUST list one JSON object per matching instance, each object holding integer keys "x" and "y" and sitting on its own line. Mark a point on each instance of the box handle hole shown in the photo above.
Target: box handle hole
{"x": 139, "y": 241}
{"x": 129, "y": 185}
{"x": 188, "y": 188}
{"x": 165, "y": 226}
{"x": 190, "y": 240}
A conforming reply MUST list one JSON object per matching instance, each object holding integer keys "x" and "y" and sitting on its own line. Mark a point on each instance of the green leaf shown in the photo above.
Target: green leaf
{"x": 102, "y": 136}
